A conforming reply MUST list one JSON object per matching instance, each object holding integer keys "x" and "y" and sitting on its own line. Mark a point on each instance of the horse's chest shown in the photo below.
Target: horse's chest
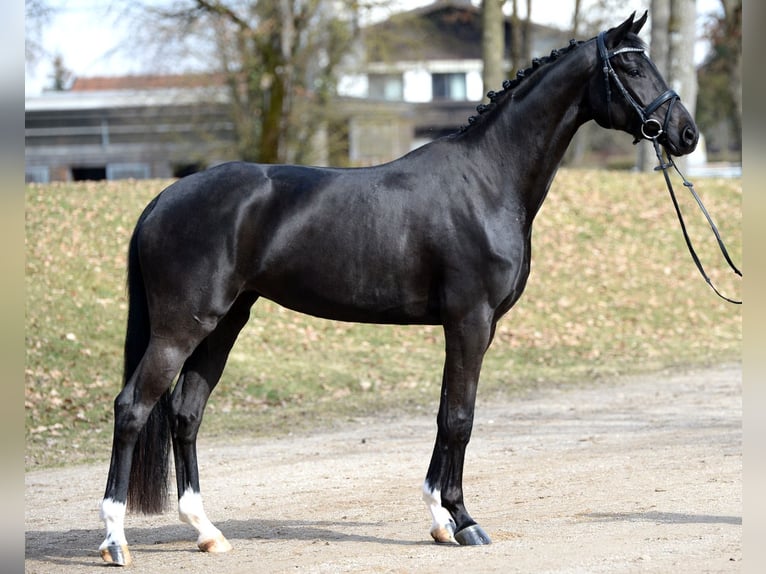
{"x": 507, "y": 270}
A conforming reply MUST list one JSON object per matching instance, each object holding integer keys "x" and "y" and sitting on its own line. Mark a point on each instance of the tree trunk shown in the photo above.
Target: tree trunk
{"x": 682, "y": 34}
{"x": 271, "y": 125}
{"x": 521, "y": 38}
{"x": 733, "y": 15}
{"x": 576, "y": 19}
{"x": 493, "y": 29}
{"x": 526, "y": 52}
{"x": 516, "y": 33}
{"x": 580, "y": 142}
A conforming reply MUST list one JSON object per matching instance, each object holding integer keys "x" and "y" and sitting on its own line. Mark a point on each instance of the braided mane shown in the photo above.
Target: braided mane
{"x": 510, "y": 85}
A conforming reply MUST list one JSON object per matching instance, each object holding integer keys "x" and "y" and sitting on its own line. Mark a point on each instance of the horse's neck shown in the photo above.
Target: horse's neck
{"x": 533, "y": 132}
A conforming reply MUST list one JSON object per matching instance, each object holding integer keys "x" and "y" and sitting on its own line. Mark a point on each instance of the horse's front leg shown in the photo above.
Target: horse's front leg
{"x": 466, "y": 342}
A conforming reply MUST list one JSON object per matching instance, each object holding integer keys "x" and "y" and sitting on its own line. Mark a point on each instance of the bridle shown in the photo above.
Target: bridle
{"x": 652, "y": 130}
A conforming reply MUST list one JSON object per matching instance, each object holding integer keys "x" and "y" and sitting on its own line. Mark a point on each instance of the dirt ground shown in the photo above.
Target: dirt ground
{"x": 642, "y": 474}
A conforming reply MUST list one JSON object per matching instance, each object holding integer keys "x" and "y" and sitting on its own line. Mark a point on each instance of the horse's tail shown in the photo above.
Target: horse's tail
{"x": 148, "y": 484}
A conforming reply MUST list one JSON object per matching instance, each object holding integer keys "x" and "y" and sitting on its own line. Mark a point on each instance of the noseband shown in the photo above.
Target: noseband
{"x": 651, "y": 128}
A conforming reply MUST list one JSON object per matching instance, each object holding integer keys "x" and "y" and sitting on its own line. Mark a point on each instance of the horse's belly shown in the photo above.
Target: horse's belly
{"x": 376, "y": 293}
{"x": 367, "y": 310}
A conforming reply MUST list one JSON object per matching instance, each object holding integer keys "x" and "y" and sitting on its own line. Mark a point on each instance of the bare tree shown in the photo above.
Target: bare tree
{"x": 730, "y": 36}
{"x": 682, "y": 74}
{"x": 493, "y": 43}
{"x": 580, "y": 141}
{"x": 37, "y": 14}
{"x": 526, "y": 52}
{"x": 278, "y": 60}
{"x": 576, "y": 19}
{"x": 516, "y": 63}
{"x": 719, "y": 101}
{"x": 521, "y": 36}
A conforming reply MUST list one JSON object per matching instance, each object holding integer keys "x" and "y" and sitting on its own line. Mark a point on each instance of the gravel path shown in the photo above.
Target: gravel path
{"x": 642, "y": 474}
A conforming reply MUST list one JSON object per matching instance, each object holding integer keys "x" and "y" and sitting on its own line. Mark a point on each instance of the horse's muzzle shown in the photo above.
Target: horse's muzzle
{"x": 685, "y": 141}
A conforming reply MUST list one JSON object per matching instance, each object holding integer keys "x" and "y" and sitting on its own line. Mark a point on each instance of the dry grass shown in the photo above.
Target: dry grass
{"x": 612, "y": 291}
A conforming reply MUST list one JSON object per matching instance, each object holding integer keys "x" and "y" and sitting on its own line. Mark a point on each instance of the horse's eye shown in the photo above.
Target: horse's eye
{"x": 634, "y": 72}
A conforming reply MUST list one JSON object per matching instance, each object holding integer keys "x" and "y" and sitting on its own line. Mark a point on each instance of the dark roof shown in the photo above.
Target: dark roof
{"x": 443, "y": 30}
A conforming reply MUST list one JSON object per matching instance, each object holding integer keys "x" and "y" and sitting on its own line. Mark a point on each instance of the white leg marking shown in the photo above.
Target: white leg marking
{"x": 190, "y": 511}
{"x": 114, "y": 548}
{"x": 113, "y": 515}
{"x": 443, "y": 526}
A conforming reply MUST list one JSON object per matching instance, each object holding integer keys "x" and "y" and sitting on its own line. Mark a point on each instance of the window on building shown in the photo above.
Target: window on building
{"x": 449, "y": 87}
{"x": 37, "y": 174}
{"x": 127, "y": 171}
{"x": 385, "y": 87}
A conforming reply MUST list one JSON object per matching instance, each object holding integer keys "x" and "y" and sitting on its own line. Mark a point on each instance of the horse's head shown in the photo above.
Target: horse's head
{"x": 629, "y": 93}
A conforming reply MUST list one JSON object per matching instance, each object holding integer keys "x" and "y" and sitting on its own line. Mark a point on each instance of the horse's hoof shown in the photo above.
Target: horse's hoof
{"x": 443, "y": 535}
{"x": 473, "y": 535}
{"x": 217, "y": 545}
{"x": 116, "y": 555}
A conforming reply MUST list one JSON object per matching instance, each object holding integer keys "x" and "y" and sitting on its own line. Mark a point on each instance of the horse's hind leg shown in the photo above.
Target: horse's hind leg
{"x": 151, "y": 380}
{"x": 198, "y": 378}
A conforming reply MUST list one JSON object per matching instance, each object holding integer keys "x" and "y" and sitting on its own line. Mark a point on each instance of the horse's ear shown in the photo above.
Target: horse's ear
{"x": 615, "y": 36}
{"x": 638, "y": 24}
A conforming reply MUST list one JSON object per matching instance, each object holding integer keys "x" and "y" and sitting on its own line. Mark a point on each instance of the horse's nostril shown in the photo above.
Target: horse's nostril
{"x": 689, "y": 135}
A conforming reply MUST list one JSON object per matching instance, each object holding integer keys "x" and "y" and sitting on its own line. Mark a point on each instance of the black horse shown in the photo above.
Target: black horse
{"x": 439, "y": 236}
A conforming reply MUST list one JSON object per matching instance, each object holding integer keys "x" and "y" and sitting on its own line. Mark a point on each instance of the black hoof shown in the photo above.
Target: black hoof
{"x": 473, "y": 535}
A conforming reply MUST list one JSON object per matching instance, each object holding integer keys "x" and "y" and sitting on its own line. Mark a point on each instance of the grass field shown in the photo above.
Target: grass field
{"x": 612, "y": 291}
